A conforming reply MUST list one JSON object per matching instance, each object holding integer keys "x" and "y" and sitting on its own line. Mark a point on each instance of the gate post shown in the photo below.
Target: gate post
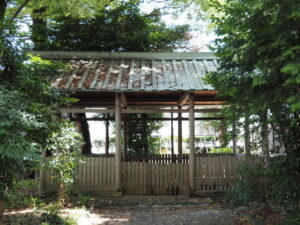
{"x": 192, "y": 142}
{"x": 118, "y": 141}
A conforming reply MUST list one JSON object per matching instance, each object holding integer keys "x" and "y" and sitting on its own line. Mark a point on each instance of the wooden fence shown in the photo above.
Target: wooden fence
{"x": 161, "y": 177}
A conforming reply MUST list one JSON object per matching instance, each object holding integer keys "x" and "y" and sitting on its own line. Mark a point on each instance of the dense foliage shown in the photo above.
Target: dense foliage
{"x": 123, "y": 28}
{"x": 260, "y": 72}
{"x": 28, "y": 105}
{"x": 143, "y": 137}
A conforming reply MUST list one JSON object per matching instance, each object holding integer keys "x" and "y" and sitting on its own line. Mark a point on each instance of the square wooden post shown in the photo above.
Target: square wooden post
{"x": 118, "y": 122}
{"x": 179, "y": 135}
{"x": 192, "y": 142}
{"x": 234, "y": 139}
{"x": 125, "y": 137}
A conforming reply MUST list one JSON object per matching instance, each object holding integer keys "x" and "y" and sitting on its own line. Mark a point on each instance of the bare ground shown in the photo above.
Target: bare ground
{"x": 160, "y": 211}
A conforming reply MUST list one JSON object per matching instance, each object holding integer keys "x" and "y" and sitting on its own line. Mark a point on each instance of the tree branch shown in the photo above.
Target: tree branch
{"x": 20, "y": 9}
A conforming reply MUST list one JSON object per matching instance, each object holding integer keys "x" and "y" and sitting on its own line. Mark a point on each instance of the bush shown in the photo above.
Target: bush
{"x": 22, "y": 195}
{"x": 221, "y": 150}
{"x": 84, "y": 200}
{"x": 293, "y": 218}
{"x": 251, "y": 185}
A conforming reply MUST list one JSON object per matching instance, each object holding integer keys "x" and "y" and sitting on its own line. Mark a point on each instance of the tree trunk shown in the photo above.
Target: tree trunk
{"x": 62, "y": 194}
{"x": 39, "y": 29}
{"x": 3, "y": 6}
{"x": 83, "y": 128}
{"x": 1, "y": 212}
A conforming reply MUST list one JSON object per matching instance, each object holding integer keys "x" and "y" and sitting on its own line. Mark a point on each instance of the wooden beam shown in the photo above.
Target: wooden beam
{"x": 118, "y": 141}
{"x": 134, "y": 111}
{"x": 81, "y": 110}
{"x": 124, "y": 100}
{"x": 183, "y": 99}
{"x": 155, "y": 119}
{"x": 192, "y": 143}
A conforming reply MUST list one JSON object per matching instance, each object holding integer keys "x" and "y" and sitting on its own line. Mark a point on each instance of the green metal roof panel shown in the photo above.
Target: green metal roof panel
{"x": 102, "y": 71}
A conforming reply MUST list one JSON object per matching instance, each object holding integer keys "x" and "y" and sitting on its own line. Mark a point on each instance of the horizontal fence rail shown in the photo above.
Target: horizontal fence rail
{"x": 155, "y": 174}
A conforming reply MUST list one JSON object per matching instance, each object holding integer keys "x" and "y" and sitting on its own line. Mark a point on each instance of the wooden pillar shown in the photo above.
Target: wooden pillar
{"x": 107, "y": 135}
{"x": 247, "y": 135}
{"x": 118, "y": 122}
{"x": 125, "y": 137}
{"x": 234, "y": 144}
{"x": 172, "y": 135}
{"x": 179, "y": 135}
{"x": 42, "y": 175}
{"x": 192, "y": 142}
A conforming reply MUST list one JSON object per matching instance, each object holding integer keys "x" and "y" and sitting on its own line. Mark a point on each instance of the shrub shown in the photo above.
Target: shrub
{"x": 65, "y": 144}
{"x": 251, "y": 185}
{"x": 22, "y": 194}
{"x": 221, "y": 150}
{"x": 84, "y": 200}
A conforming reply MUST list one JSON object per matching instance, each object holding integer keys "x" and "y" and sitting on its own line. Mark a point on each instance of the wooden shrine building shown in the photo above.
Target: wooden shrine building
{"x": 125, "y": 83}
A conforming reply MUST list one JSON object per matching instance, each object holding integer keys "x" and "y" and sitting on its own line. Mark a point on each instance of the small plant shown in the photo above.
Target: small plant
{"x": 65, "y": 144}
{"x": 84, "y": 200}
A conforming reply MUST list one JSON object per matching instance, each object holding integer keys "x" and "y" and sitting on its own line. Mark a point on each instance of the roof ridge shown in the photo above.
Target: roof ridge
{"x": 123, "y": 55}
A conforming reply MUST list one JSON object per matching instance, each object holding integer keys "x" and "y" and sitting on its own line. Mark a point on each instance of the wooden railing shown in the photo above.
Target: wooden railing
{"x": 160, "y": 158}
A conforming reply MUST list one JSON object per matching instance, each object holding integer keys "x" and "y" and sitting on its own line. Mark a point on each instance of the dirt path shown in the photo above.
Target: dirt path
{"x": 181, "y": 212}
{"x": 185, "y": 216}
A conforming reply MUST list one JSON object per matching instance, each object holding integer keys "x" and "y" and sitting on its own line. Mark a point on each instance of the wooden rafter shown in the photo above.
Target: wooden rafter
{"x": 183, "y": 99}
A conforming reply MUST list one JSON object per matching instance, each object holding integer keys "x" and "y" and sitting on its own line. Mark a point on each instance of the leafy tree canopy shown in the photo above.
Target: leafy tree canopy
{"x": 259, "y": 70}
{"x": 122, "y": 28}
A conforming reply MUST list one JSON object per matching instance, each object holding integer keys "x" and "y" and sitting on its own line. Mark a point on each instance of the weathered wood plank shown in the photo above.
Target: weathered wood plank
{"x": 120, "y": 73}
{"x": 143, "y": 70}
{"x": 85, "y": 74}
{"x": 107, "y": 76}
{"x": 131, "y": 74}
{"x": 154, "y": 75}
{"x": 165, "y": 75}
{"x": 69, "y": 82}
{"x": 96, "y": 76}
